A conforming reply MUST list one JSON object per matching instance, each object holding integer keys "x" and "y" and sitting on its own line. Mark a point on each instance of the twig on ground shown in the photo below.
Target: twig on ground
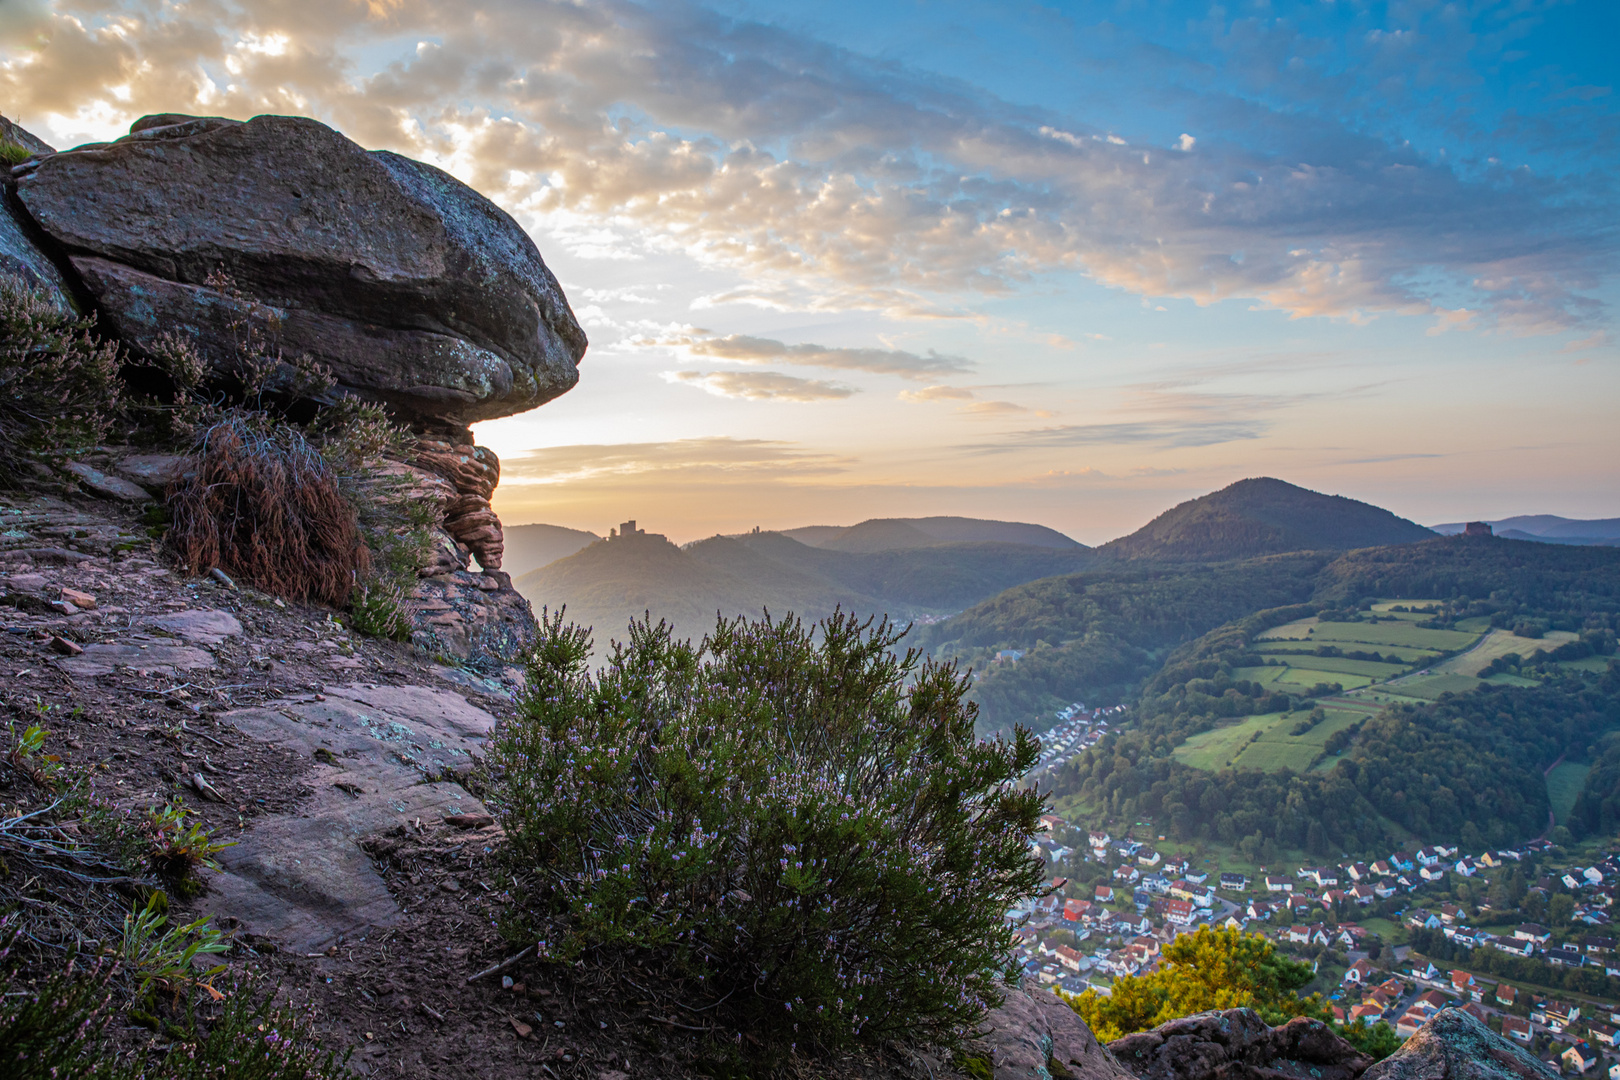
{"x": 502, "y": 966}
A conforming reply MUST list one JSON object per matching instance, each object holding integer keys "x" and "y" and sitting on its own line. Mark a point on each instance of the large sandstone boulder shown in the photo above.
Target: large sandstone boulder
{"x": 1455, "y": 1046}
{"x": 1237, "y": 1045}
{"x": 414, "y": 289}
{"x": 21, "y": 256}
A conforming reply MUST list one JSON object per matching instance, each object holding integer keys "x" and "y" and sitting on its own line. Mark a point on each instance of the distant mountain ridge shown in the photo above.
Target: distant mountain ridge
{"x": 1547, "y": 529}
{"x": 890, "y": 534}
{"x": 608, "y": 583}
{"x": 1263, "y": 516}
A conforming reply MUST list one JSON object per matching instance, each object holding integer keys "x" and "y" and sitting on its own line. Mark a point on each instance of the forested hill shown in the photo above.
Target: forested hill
{"x": 889, "y": 534}
{"x": 1095, "y": 635}
{"x": 1261, "y": 517}
{"x": 1491, "y": 662}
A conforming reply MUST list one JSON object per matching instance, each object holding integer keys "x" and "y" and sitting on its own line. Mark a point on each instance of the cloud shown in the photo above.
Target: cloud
{"x": 744, "y": 349}
{"x": 992, "y": 408}
{"x": 1591, "y": 341}
{"x": 826, "y": 178}
{"x": 707, "y": 460}
{"x": 760, "y": 385}
{"x": 937, "y": 393}
{"x": 1163, "y": 433}
{"x": 983, "y": 410}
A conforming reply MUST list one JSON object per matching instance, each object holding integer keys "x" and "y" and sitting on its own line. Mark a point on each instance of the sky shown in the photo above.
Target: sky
{"x": 1068, "y": 263}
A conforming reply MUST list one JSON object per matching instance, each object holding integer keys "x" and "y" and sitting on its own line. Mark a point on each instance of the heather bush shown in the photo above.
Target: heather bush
{"x": 797, "y": 820}
{"x": 59, "y": 386}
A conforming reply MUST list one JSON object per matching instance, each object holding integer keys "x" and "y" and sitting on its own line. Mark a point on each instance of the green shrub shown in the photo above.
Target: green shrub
{"x": 13, "y": 153}
{"x": 58, "y": 386}
{"x": 378, "y": 609}
{"x": 1377, "y": 1041}
{"x": 797, "y": 819}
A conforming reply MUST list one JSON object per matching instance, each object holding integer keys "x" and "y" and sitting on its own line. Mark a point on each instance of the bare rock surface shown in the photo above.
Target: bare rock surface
{"x": 110, "y": 487}
{"x": 197, "y": 627}
{"x": 1236, "y": 1044}
{"x": 384, "y": 758}
{"x": 415, "y": 289}
{"x": 136, "y": 652}
{"x": 1036, "y": 1036}
{"x": 21, "y": 256}
{"x": 480, "y": 618}
{"x": 1455, "y": 1046}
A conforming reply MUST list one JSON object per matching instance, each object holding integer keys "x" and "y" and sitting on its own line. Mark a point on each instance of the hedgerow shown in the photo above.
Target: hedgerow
{"x": 797, "y": 820}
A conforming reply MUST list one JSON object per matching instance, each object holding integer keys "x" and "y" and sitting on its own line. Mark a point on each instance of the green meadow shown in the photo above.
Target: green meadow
{"x": 1499, "y": 643}
{"x": 1564, "y": 783}
{"x": 1266, "y": 742}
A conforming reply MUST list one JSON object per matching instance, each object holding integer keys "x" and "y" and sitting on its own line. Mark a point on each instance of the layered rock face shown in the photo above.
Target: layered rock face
{"x": 414, "y": 289}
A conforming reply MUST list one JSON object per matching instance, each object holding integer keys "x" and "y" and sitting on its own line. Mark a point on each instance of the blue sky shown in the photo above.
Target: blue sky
{"x": 1067, "y": 263}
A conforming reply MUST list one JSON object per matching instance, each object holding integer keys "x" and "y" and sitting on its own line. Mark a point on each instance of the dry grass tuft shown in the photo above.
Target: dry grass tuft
{"x": 264, "y": 505}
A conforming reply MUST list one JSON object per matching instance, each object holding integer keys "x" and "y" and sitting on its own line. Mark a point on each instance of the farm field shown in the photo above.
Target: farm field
{"x": 1274, "y": 749}
{"x": 1406, "y": 655}
{"x": 1370, "y": 668}
{"x": 1262, "y": 675}
{"x": 1588, "y": 663}
{"x": 1298, "y": 630}
{"x": 1499, "y": 643}
{"x": 1503, "y": 679}
{"x": 1563, "y": 785}
{"x": 1395, "y": 633}
{"x": 1430, "y": 687}
{"x": 1210, "y": 750}
{"x": 1387, "y": 607}
{"x": 1309, "y": 677}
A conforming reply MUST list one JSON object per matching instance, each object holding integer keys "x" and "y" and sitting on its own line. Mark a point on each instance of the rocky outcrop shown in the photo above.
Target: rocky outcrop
{"x": 279, "y": 235}
{"x": 1455, "y": 1046}
{"x": 477, "y": 618}
{"x": 472, "y": 472}
{"x": 1034, "y": 1035}
{"x": 21, "y": 255}
{"x": 1237, "y": 1045}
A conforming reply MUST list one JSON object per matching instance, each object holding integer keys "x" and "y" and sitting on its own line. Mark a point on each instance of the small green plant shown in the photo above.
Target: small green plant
{"x": 158, "y": 955}
{"x": 797, "y": 819}
{"x": 378, "y": 610}
{"x": 25, "y": 758}
{"x": 178, "y": 845}
{"x": 13, "y": 153}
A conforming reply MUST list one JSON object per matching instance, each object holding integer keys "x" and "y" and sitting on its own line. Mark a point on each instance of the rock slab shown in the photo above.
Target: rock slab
{"x": 1455, "y": 1046}
{"x": 1235, "y": 1044}
{"x": 386, "y": 756}
{"x": 413, "y": 288}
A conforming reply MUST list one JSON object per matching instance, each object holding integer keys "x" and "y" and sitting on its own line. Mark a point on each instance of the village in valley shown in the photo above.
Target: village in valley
{"x": 1394, "y": 941}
